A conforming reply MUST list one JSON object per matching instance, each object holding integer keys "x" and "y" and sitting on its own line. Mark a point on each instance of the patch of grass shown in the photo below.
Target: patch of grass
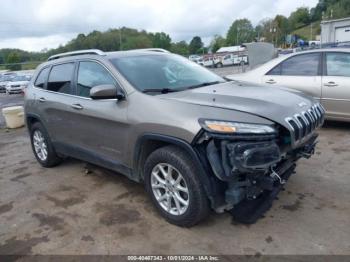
{"x": 305, "y": 32}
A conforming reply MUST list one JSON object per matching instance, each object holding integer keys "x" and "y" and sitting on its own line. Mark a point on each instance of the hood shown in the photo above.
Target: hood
{"x": 3, "y": 83}
{"x": 18, "y": 83}
{"x": 275, "y": 104}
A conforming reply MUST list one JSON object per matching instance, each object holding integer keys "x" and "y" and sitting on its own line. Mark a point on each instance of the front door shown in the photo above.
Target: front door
{"x": 301, "y": 72}
{"x": 336, "y": 85}
{"x": 99, "y": 126}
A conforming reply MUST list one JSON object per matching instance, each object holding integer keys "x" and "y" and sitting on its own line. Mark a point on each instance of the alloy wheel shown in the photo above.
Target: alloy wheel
{"x": 170, "y": 189}
{"x": 40, "y": 146}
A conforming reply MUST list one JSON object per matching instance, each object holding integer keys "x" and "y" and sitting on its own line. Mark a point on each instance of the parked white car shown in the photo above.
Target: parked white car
{"x": 194, "y": 58}
{"x": 232, "y": 59}
{"x": 323, "y": 74}
{"x": 4, "y": 80}
{"x": 209, "y": 61}
{"x": 17, "y": 84}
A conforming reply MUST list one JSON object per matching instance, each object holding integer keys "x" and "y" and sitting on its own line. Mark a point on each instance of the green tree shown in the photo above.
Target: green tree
{"x": 241, "y": 31}
{"x": 217, "y": 43}
{"x": 180, "y": 48}
{"x": 195, "y": 45}
{"x": 13, "y": 59}
{"x": 299, "y": 18}
{"x": 161, "y": 40}
{"x": 282, "y": 29}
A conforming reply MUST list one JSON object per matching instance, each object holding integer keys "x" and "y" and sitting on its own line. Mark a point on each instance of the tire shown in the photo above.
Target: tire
{"x": 242, "y": 63}
{"x": 52, "y": 159}
{"x": 179, "y": 161}
{"x": 219, "y": 65}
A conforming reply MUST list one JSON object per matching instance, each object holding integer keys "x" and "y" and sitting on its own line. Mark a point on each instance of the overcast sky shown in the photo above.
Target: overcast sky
{"x": 37, "y": 24}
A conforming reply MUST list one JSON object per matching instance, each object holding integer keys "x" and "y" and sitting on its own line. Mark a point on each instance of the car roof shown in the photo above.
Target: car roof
{"x": 105, "y": 55}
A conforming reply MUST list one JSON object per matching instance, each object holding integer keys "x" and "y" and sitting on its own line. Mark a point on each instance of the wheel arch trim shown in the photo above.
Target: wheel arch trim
{"x": 203, "y": 174}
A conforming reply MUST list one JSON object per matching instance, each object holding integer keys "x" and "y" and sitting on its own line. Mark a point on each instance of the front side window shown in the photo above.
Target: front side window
{"x": 338, "y": 64}
{"x": 60, "y": 78}
{"x": 163, "y": 71}
{"x": 42, "y": 77}
{"x": 275, "y": 71}
{"x": 299, "y": 65}
{"x": 92, "y": 74}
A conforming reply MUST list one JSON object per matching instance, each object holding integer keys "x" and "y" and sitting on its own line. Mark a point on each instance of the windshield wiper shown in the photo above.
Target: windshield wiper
{"x": 160, "y": 90}
{"x": 204, "y": 84}
{"x": 168, "y": 90}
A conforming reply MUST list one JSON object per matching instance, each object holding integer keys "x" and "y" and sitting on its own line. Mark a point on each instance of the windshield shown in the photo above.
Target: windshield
{"x": 164, "y": 72}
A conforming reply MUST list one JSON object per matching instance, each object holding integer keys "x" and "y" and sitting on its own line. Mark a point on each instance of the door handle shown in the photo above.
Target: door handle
{"x": 270, "y": 81}
{"x": 331, "y": 84}
{"x": 42, "y": 99}
{"x": 77, "y": 106}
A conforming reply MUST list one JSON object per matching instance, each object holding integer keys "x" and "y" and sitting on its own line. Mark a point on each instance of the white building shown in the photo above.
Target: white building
{"x": 333, "y": 31}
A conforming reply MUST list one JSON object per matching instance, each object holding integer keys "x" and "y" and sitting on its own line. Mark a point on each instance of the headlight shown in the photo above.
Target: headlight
{"x": 236, "y": 127}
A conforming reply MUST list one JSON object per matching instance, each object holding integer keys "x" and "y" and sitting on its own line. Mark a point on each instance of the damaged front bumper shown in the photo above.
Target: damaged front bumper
{"x": 252, "y": 170}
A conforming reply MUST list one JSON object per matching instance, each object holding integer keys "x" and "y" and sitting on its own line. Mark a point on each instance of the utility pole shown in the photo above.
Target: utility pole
{"x": 311, "y": 37}
{"x": 237, "y": 36}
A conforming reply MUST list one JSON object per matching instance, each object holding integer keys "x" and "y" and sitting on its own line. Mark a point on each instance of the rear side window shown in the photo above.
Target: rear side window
{"x": 338, "y": 64}
{"x": 60, "y": 78}
{"x": 42, "y": 77}
{"x": 299, "y": 65}
{"x": 92, "y": 74}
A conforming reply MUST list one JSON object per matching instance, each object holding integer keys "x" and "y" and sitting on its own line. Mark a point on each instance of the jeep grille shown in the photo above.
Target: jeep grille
{"x": 304, "y": 123}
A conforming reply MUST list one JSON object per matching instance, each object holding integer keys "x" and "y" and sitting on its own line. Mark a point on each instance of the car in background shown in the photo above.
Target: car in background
{"x": 209, "y": 61}
{"x": 5, "y": 78}
{"x": 17, "y": 84}
{"x": 322, "y": 73}
{"x": 232, "y": 59}
{"x": 314, "y": 43}
{"x": 194, "y": 58}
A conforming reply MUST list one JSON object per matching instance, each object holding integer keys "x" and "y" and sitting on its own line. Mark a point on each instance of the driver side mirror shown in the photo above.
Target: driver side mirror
{"x": 106, "y": 92}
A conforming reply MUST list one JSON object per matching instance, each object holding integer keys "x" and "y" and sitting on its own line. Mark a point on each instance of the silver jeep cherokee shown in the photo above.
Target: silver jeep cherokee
{"x": 196, "y": 141}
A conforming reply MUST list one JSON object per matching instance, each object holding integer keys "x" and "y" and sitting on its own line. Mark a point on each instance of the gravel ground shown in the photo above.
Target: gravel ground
{"x": 65, "y": 211}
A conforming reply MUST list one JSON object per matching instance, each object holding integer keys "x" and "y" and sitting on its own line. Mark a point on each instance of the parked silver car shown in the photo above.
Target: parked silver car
{"x": 323, "y": 74}
{"x": 195, "y": 140}
{"x": 17, "y": 84}
{"x": 4, "y": 80}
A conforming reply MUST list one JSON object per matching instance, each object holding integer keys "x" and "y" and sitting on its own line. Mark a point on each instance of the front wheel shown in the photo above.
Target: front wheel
{"x": 171, "y": 180}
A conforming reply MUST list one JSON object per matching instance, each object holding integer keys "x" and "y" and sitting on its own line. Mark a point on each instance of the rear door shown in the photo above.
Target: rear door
{"x": 99, "y": 127}
{"x": 301, "y": 72}
{"x": 53, "y": 100}
{"x": 336, "y": 85}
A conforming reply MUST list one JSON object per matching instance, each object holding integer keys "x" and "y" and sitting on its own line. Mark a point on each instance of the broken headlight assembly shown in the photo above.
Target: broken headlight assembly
{"x": 240, "y": 148}
{"x": 228, "y": 127}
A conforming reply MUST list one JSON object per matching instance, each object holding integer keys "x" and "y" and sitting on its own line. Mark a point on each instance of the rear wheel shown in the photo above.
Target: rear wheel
{"x": 42, "y": 146}
{"x": 175, "y": 189}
